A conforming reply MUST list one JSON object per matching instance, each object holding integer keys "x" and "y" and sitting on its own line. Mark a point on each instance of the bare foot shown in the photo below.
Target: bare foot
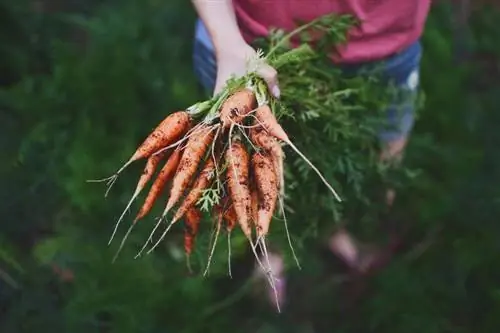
{"x": 345, "y": 247}
{"x": 370, "y": 259}
{"x": 359, "y": 257}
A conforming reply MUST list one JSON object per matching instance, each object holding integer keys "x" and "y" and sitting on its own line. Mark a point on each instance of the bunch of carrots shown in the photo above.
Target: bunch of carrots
{"x": 224, "y": 155}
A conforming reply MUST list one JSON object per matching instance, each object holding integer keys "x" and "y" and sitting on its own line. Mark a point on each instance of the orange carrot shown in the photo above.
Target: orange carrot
{"x": 230, "y": 218}
{"x": 166, "y": 133}
{"x": 191, "y": 222}
{"x": 170, "y": 129}
{"x": 262, "y": 139}
{"x": 255, "y": 204}
{"x": 267, "y": 119}
{"x": 266, "y": 183}
{"x": 194, "y": 151}
{"x": 196, "y": 148}
{"x": 203, "y": 181}
{"x": 146, "y": 176}
{"x": 237, "y": 180}
{"x": 236, "y": 107}
{"x": 164, "y": 176}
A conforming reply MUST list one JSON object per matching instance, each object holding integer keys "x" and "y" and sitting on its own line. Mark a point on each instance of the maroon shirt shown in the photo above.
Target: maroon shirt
{"x": 388, "y": 26}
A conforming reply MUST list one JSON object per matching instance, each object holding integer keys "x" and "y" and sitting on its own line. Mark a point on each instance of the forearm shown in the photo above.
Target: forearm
{"x": 220, "y": 19}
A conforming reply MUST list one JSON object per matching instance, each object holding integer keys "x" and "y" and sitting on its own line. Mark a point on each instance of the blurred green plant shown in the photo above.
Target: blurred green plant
{"x": 71, "y": 111}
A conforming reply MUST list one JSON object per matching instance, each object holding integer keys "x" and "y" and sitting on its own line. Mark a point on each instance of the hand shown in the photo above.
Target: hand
{"x": 234, "y": 60}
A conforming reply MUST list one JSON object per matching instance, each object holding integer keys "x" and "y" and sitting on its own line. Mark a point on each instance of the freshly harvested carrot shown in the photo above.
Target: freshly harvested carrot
{"x": 194, "y": 151}
{"x": 146, "y": 176}
{"x": 161, "y": 180}
{"x": 267, "y": 120}
{"x": 237, "y": 181}
{"x": 262, "y": 139}
{"x": 203, "y": 181}
{"x": 164, "y": 176}
{"x": 266, "y": 182}
{"x": 238, "y": 162}
{"x": 255, "y": 204}
{"x": 167, "y": 132}
{"x": 170, "y": 129}
{"x": 237, "y": 106}
{"x": 192, "y": 223}
{"x": 230, "y": 218}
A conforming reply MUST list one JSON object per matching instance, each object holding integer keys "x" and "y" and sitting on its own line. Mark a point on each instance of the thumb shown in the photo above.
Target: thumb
{"x": 270, "y": 76}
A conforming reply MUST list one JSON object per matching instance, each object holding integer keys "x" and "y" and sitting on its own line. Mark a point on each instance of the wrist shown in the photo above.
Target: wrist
{"x": 230, "y": 44}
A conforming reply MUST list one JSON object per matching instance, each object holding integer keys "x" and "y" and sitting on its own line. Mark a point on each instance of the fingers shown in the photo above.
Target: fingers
{"x": 270, "y": 75}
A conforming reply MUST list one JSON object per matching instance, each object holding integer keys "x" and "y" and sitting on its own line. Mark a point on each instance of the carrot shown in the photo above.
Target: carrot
{"x": 196, "y": 148}
{"x": 236, "y": 107}
{"x": 170, "y": 129}
{"x": 167, "y": 132}
{"x": 191, "y": 222}
{"x": 266, "y": 182}
{"x": 255, "y": 204}
{"x": 158, "y": 185}
{"x": 262, "y": 139}
{"x": 230, "y": 218}
{"x": 146, "y": 176}
{"x": 203, "y": 181}
{"x": 164, "y": 176}
{"x": 237, "y": 180}
{"x": 267, "y": 120}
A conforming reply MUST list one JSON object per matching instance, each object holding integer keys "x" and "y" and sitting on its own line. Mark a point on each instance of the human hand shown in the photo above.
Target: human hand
{"x": 233, "y": 61}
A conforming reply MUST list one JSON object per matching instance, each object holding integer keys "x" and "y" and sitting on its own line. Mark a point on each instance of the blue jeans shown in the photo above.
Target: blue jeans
{"x": 401, "y": 69}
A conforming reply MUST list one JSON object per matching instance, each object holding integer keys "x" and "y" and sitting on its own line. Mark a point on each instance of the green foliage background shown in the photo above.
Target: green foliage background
{"x": 80, "y": 88}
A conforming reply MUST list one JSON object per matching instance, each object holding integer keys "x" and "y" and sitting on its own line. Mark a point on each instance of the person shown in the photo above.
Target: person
{"x": 389, "y": 35}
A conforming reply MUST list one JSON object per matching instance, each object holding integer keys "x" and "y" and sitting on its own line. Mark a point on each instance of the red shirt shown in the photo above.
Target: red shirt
{"x": 388, "y": 26}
